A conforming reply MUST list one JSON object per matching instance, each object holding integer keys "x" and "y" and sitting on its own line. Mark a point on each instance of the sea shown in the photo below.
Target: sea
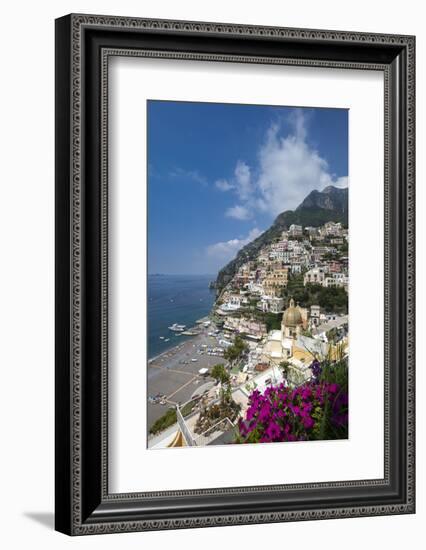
{"x": 181, "y": 299}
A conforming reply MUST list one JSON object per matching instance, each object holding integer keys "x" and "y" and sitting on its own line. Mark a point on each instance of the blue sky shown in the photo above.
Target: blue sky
{"x": 219, "y": 174}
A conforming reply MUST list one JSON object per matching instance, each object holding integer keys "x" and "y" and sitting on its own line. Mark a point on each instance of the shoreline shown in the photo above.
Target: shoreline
{"x": 173, "y": 376}
{"x": 201, "y": 336}
{"x": 184, "y": 299}
{"x": 184, "y": 338}
{"x": 169, "y": 350}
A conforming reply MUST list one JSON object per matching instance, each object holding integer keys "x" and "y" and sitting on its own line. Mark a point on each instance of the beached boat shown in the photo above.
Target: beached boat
{"x": 177, "y": 328}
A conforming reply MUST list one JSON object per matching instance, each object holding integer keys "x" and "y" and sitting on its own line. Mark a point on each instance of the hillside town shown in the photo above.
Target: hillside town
{"x": 283, "y": 309}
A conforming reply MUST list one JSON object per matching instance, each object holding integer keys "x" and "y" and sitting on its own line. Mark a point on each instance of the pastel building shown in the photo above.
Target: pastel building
{"x": 280, "y": 343}
{"x": 314, "y": 276}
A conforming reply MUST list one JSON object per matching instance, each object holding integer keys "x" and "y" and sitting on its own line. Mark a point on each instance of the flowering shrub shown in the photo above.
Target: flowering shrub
{"x": 315, "y": 410}
{"x": 316, "y": 370}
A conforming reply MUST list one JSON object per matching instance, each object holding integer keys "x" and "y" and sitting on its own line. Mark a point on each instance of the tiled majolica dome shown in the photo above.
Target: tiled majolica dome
{"x": 292, "y": 316}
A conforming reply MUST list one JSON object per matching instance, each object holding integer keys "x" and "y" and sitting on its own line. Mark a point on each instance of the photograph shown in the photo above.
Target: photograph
{"x": 248, "y": 274}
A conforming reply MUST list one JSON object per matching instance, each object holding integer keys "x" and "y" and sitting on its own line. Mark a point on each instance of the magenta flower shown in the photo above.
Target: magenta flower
{"x": 308, "y": 422}
{"x": 281, "y": 413}
{"x": 264, "y": 412}
{"x": 273, "y": 431}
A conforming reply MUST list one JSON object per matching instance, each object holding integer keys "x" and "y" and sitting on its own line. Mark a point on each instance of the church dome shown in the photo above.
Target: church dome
{"x": 292, "y": 316}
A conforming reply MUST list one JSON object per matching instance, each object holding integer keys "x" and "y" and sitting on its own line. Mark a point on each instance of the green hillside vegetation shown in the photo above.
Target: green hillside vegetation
{"x": 330, "y": 299}
{"x": 169, "y": 418}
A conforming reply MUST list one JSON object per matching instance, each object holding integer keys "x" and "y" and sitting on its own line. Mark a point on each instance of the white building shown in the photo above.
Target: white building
{"x": 295, "y": 230}
{"x": 332, "y": 229}
{"x": 271, "y": 304}
{"x": 315, "y": 315}
{"x": 314, "y": 276}
{"x": 233, "y": 303}
{"x": 296, "y": 268}
{"x": 335, "y": 280}
{"x": 254, "y": 287}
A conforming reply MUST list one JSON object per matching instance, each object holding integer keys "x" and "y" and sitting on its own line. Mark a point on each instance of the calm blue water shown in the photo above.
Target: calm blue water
{"x": 178, "y": 299}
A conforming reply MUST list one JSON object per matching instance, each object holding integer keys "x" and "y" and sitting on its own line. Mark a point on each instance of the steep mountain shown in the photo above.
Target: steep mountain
{"x": 330, "y": 198}
{"x": 319, "y": 207}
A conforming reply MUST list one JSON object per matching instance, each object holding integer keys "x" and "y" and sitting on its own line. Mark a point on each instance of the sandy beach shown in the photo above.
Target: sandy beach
{"x": 175, "y": 376}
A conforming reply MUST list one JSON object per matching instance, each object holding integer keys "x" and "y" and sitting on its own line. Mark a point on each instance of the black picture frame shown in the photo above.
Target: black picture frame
{"x": 83, "y": 45}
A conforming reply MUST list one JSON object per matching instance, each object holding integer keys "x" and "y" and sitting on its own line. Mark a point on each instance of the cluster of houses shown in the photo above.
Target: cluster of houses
{"x": 316, "y": 254}
{"x": 325, "y": 277}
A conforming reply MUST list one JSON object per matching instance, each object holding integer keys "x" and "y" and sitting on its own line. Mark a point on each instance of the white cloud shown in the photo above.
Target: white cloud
{"x": 226, "y": 250}
{"x": 341, "y": 182}
{"x": 298, "y": 120}
{"x": 288, "y": 169}
{"x": 243, "y": 180}
{"x": 223, "y": 185}
{"x": 189, "y": 175}
{"x": 238, "y": 212}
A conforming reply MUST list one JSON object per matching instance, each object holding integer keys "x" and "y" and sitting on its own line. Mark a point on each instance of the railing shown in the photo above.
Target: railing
{"x": 184, "y": 428}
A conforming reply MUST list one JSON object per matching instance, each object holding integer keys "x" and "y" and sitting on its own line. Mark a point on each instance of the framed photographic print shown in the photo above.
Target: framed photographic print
{"x": 234, "y": 274}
